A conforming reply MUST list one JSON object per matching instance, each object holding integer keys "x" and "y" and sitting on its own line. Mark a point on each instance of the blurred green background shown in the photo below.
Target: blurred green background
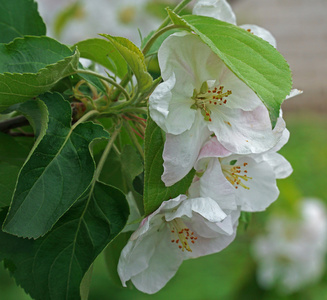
{"x": 300, "y": 29}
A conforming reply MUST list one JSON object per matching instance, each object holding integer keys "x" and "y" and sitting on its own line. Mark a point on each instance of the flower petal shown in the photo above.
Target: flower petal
{"x": 245, "y": 132}
{"x": 261, "y": 32}
{"x": 218, "y": 9}
{"x": 281, "y": 167}
{"x": 213, "y": 184}
{"x": 181, "y": 151}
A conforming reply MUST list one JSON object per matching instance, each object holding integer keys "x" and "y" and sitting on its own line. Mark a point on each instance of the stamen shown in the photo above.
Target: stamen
{"x": 236, "y": 174}
{"x": 206, "y": 97}
{"x": 182, "y": 234}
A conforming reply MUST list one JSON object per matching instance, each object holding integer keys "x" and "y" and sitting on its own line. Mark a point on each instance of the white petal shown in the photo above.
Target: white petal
{"x": 213, "y": 184}
{"x": 245, "y": 132}
{"x": 161, "y": 267}
{"x": 261, "y": 32}
{"x": 242, "y": 96}
{"x": 218, "y": 9}
{"x": 181, "y": 151}
{"x": 213, "y": 148}
{"x": 191, "y": 60}
{"x": 281, "y": 167}
{"x": 262, "y": 187}
{"x": 205, "y": 207}
{"x": 294, "y": 93}
{"x": 170, "y": 110}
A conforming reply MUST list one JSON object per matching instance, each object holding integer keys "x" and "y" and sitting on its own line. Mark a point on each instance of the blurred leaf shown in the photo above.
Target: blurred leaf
{"x": 19, "y": 18}
{"x": 44, "y": 63}
{"x": 57, "y": 172}
{"x": 12, "y": 151}
{"x": 104, "y": 53}
{"x": 71, "y": 11}
{"x": 8, "y": 176}
{"x": 134, "y": 58}
{"x": 52, "y": 267}
{"x": 249, "y": 57}
{"x": 112, "y": 254}
{"x": 155, "y": 191}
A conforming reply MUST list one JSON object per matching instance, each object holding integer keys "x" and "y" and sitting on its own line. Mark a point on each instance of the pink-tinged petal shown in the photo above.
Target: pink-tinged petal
{"x": 242, "y": 97}
{"x": 261, "y": 32}
{"x": 259, "y": 190}
{"x": 161, "y": 266}
{"x": 281, "y": 167}
{"x": 213, "y": 148}
{"x": 191, "y": 60}
{"x": 218, "y": 9}
{"x": 171, "y": 111}
{"x": 181, "y": 151}
{"x": 245, "y": 132}
{"x": 213, "y": 184}
{"x": 207, "y": 208}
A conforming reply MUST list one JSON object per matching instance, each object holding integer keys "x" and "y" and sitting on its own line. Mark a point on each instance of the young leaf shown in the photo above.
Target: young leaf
{"x": 103, "y": 53}
{"x": 155, "y": 191}
{"x": 19, "y": 18}
{"x": 57, "y": 172}
{"x": 52, "y": 267}
{"x": 249, "y": 57}
{"x": 134, "y": 58}
{"x": 44, "y": 63}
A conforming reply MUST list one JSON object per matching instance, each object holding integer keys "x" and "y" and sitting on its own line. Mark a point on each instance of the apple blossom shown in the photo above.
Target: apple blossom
{"x": 179, "y": 229}
{"x": 201, "y": 96}
{"x": 251, "y": 178}
{"x": 292, "y": 254}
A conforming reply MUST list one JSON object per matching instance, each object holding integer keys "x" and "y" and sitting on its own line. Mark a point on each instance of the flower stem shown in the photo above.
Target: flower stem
{"x": 86, "y": 117}
{"x": 133, "y": 138}
{"x": 114, "y": 83}
{"x": 150, "y": 42}
{"x": 105, "y": 153}
{"x": 176, "y": 10}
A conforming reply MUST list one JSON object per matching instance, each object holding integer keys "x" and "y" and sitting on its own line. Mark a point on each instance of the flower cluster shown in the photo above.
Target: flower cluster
{"x": 292, "y": 253}
{"x": 217, "y": 125}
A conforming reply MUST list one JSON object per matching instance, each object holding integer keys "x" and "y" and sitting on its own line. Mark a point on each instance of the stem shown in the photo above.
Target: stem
{"x": 123, "y": 83}
{"x": 114, "y": 83}
{"x": 105, "y": 154}
{"x": 150, "y": 42}
{"x": 13, "y": 123}
{"x": 133, "y": 138}
{"x": 176, "y": 10}
{"x": 87, "y": 116}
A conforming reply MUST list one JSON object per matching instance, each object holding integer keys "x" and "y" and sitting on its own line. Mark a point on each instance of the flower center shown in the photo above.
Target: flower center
{"x": 209, "y": 97}
{"x": 182, "y": 235}
{"x": 236, "y": 174}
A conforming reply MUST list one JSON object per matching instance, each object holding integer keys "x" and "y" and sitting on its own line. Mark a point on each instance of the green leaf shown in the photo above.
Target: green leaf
{"x": 112, "y": 254}
{"x": 19, "y": 18}
{"x": 134, "y": 58}
{"x": 103, "y": 53}
{"x": 155, "y": 191}
{"x": 249, "y": 57}
{"x": 8, "y": 176}
{"x": 52, "y": 267}
{"x": 58, "y": 172}
{"x": 31, "y": 66}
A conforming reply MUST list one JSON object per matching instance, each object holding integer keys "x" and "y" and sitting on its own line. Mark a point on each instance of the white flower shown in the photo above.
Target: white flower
{"x": 232, "y": 180}
{"x": 201, "y": 96}
{"x": 221, "y": 10}
{"x": 122, "y": 18}
{"x": 179, "y": 229}
{"x": 292, "y": 254}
